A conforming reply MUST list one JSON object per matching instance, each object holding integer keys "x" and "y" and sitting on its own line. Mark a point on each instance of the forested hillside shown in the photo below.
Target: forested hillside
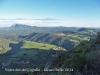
{"x": 84, "y": 59}
{"x": 17, "y": 30}
{"x": 65, "y": 39}
{"x": 23, "y": 46}
{"x": 20, "y": 29}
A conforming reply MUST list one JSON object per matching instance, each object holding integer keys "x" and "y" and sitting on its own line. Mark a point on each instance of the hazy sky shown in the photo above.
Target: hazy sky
{"x": 70, "y": 13}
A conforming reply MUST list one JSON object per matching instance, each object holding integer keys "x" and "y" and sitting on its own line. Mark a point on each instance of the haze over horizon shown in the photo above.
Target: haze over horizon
{"x": 68, "y": 13}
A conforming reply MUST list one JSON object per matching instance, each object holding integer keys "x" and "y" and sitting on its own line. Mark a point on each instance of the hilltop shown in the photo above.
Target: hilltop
{"x": 85, "y": 29}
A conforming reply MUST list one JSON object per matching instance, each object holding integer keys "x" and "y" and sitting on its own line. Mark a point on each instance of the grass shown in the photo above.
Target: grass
{"x": 4, "y": 45}
{"x": 73, "y": 40}
{"x": 1, "y": 48}
{"x": 78, "y": 37}
{"x": 29, "y": 48}
{"x": 29, "y": 44}
{"x": 72, "y": 35}
{"x": 86, "y": 38}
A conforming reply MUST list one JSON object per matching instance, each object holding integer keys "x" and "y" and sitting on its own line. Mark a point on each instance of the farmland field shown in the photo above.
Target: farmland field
{"x": 29, "y": 44}
{"x": 30, "y": 48}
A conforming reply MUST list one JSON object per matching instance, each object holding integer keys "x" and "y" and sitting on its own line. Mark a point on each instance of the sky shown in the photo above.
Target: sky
{"x": 68, "y": 13}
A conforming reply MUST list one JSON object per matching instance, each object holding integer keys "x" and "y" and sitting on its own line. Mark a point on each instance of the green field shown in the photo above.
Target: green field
{"x": 4, "y": 45}
{"x": 28, "y": 48}
{"x": 29, "y": 44}
{"x": 73, "y": 40}
{"x": 34, "y": 52}
{"x": 1, "y": 48}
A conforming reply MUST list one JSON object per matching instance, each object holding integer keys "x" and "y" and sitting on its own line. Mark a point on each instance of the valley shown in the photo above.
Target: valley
{"x": 49, "y": 37}
{"x": 23, "y": 47}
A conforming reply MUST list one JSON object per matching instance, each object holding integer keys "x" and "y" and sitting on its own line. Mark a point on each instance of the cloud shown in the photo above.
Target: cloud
{"x": 51, "y": 22}
{"x": 47, "y": 19}
{"x": 14, "y": 19}
{"x": 48, "y": 22}
{"x": 43, "y": 19}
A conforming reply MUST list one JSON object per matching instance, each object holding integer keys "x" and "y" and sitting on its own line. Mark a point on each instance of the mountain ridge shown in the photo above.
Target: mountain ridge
{"x": 20, "y": 26}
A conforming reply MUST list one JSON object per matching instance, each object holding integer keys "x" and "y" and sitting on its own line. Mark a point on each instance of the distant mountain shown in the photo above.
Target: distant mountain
{"x": 17, "y": 30}
{"x": 21, "y": 26}
{"x": 44, "y": 29}
{"x": 60, "y": 28}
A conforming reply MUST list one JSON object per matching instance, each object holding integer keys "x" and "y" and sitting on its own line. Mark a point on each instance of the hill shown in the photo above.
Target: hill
{"x": 30, "y": 55}
{"x": 83, "y": 29}
{"x": 67, "y": 40}
{"x": 49, "y": 47}
{"x": 17, "y": 30}
{"x": 84, "y": 59}
{"x": 4, "y": 45}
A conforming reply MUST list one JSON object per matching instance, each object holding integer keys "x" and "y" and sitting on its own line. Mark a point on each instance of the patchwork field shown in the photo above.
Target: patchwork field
{"x": 29, "y": 44}
{"x": 32, "y": 48}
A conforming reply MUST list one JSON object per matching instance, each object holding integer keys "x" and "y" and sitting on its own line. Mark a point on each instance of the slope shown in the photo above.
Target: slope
{"x": 67, "y": 40}
{"x": 84, "y": 59}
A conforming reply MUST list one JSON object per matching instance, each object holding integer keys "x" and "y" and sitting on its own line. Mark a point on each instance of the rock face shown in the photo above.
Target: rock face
{"x": 98, "y": 38}
{"x": 20, "y": 26}
{"x": 48, "y": 64}
{"x": 5, "y": 64}
{"x": 98, "y": 34}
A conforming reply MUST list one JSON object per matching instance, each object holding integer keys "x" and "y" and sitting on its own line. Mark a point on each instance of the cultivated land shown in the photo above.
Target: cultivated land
{"x": 31, "y": 48}
{"x": 29, "y": 44}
